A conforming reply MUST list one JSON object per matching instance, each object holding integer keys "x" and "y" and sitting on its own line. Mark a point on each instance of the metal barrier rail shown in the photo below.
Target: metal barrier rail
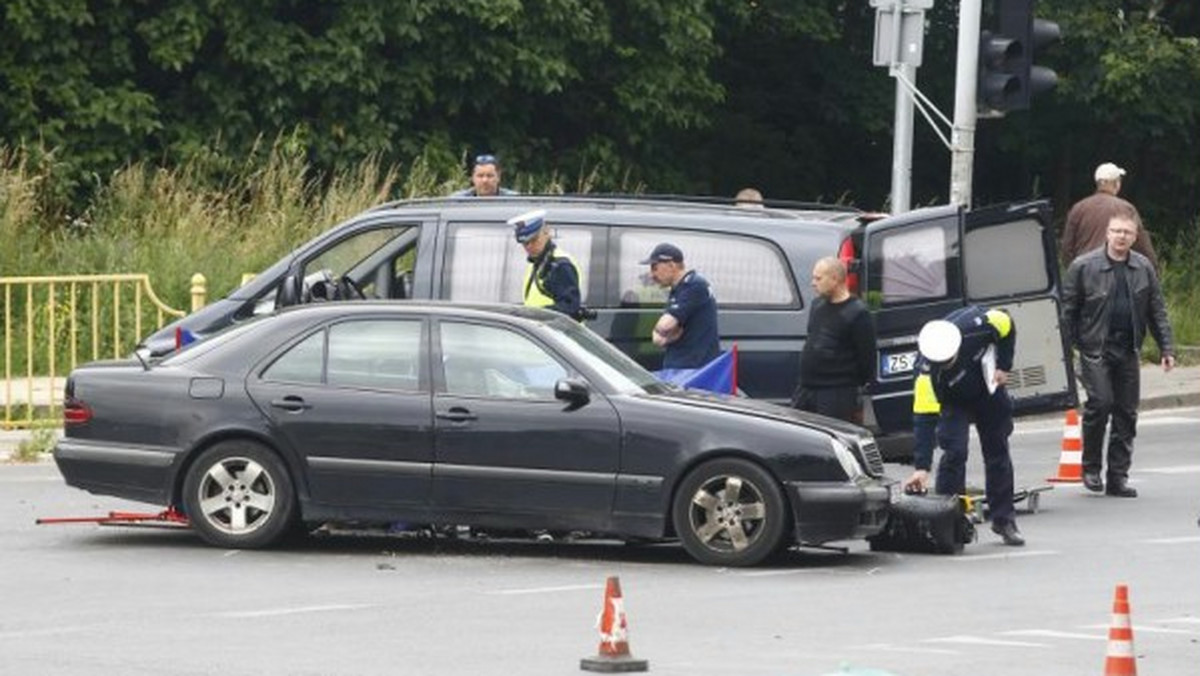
{"x": 49, "y": 324}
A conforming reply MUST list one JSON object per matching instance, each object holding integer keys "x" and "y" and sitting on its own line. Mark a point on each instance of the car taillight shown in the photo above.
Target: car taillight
{"x": 847, "y": 257}
{"x": 75, "y": 412}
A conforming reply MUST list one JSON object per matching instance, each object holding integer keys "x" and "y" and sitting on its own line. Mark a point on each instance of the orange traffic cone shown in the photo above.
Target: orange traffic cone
{"x": 613, "y": 655}
{"x": 1119, "y": 661}
{"x": 1070, "y": 463}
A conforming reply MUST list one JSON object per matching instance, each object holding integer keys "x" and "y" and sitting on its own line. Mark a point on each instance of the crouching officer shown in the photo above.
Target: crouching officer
{"x": 551, "y": 278}
{"x": 961, "y": 373}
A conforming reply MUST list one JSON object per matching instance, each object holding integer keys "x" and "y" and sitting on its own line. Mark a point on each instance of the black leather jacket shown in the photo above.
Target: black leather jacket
{"x": 1087, "y": 302}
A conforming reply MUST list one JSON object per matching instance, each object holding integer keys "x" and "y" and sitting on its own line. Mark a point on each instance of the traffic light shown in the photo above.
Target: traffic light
{"x": 1008, "y": 78}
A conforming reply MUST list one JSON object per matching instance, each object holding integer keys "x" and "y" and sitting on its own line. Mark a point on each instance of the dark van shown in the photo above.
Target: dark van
{"x": 909, "y": 268}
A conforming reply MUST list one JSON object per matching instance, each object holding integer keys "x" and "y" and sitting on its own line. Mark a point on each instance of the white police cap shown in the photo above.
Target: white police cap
{"x": 527, "y": 224}
{"x": 939, "y": 340}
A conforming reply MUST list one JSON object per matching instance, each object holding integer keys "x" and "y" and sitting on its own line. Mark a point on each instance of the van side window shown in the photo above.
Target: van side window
{"x": 914, "y": 264}
{"x": 484, "y": 263}
{"x": 743, "y": 270}
{"x": 1022, "y": 269}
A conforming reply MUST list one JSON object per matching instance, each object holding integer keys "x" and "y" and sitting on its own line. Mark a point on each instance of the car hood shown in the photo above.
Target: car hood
{"x": 762, "y": 409}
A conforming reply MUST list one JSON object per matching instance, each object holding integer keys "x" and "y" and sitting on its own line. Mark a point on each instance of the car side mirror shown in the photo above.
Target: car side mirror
{"x": 573, "y": 391}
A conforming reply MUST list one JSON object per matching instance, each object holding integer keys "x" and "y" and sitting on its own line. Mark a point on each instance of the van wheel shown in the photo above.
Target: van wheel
{"x": 730, "y": 512}
{"x": 238, "y": 494}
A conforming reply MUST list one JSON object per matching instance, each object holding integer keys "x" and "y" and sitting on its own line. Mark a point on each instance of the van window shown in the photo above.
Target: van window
{"x": 913, "y": 264}
{"x": 484, "y": 263}
{"x": 742, "y": 270}
{"x": 1022, "y": 269}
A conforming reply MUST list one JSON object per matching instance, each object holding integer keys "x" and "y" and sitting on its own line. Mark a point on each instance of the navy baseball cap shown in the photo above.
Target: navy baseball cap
{"x": 663, "y": 253}
{"x": 528, "y": 224}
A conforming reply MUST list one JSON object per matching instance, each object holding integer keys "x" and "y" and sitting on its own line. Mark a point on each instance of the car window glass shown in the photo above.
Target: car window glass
{"x": 484, "y": 262}
{"x": 489, "y": 361}
{"x": 616, "y": 367}
{"x": 301, "y": 364}
{"x": 1022, "y": 268}
{"x": 742, "y": 270}
{"x": 361, "y": 254}
{"x": 377, "y": 354}
{"x": 912, "y": 264}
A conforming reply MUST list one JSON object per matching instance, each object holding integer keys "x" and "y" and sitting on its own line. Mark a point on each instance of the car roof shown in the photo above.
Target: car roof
{"x": 666, "y": 205}
{"x": 458, "y": 309}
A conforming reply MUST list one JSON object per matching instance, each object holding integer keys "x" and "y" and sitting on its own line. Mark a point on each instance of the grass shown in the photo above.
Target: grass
{"x": 40, "y": 442}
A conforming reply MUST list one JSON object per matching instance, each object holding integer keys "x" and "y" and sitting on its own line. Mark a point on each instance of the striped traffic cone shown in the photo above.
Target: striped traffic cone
{"x": 1119, "y": 661}
{"x": 1070, "y": 462}
{"x": 613, "y": 655}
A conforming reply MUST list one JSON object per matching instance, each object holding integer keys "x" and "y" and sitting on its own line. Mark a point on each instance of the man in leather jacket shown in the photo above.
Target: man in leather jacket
{"x": 1111, "y": 299}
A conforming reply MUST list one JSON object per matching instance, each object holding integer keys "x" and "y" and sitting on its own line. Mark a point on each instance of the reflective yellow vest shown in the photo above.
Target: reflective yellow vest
{"x": 534, "y": 296}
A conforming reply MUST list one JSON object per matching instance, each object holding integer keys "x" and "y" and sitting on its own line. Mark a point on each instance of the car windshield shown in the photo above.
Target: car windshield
{"x": 616, "y": 367}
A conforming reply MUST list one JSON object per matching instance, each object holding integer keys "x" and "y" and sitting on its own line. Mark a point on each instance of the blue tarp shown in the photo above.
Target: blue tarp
{"x": 718, "y": 375}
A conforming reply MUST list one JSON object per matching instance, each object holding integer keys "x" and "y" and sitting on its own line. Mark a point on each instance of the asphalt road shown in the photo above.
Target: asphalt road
{"x": 90, "y": 600}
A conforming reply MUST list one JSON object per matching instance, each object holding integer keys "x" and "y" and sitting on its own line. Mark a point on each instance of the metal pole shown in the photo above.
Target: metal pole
{"x": 902, "y": 141}
{"x": 962, "y": 139}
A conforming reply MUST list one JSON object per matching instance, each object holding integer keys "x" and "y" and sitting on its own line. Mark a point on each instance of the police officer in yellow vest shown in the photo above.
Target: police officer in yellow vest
{"x": 961, "y": 376}
{"x": 551, "y": 278}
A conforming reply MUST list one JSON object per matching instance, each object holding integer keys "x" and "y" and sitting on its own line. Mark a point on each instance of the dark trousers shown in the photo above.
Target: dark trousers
{"x": 835, "y": 402}
{"x": 1113, "y": 384}
{"x": 992, "y": 416}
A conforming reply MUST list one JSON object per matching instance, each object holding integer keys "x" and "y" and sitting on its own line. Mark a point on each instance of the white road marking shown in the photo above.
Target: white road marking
{"x": 981, "y": 640}
{"x": 1183, "y": 540}
{"x": 299, "y": 610}
{"x": 1182, "y": 620}
{"x": 1143, "y": 421}
{"x": 1006, "y": 555}
{"x": 1176, "y": 469}
{"x": 548, "y": 590}
{"x": 887, "y": 647}
{"x": 1142, "y": 629}
{"x": 1050, "y": 633}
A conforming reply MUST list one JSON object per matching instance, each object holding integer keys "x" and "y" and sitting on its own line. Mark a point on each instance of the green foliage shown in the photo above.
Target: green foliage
{"x": 1181, "y": 285}
{"x": 41, "y": 441}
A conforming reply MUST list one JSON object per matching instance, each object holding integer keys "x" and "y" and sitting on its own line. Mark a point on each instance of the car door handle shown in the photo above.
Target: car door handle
{"x": 457, "y": 414}
{"x": 291, "y": 403}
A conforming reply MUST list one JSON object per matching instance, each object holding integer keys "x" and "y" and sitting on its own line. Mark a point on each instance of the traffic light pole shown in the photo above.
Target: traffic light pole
{"x": 902, "y": 142}
{"x": 962, "y": 137}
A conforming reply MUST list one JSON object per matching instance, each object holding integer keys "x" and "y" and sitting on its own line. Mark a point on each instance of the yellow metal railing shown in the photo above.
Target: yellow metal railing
{"x": 53, "y": 323}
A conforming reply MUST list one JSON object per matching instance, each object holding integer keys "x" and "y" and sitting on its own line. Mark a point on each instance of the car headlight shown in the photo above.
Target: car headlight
{"x": 846, "y": 457}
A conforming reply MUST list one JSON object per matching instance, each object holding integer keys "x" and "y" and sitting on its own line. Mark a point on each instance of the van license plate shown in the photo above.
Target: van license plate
{"x": 898, "y": 363}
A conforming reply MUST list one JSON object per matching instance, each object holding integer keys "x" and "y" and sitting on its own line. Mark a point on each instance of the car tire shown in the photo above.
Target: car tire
{"x": 239, "y": 495}
{"x": 730, "y": 512}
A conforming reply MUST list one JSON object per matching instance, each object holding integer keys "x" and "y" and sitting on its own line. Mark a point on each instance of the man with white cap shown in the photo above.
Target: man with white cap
{"x": 961, "y": 375}
{"x": 1087, "y": 221}
{"x": 551, "y": 278}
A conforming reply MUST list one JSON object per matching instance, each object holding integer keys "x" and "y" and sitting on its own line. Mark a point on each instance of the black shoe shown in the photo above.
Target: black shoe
{"x": 1007, "y": 530}
{"x": 1092, "y": 482}
{"x": 1120, "y": 489}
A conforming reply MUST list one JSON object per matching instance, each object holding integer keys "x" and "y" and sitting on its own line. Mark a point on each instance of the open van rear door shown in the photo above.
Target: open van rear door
{"x": 920, "y": 265}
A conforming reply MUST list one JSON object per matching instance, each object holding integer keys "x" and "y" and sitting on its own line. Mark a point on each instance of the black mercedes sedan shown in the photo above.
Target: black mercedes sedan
{"x": 495, "y": 417}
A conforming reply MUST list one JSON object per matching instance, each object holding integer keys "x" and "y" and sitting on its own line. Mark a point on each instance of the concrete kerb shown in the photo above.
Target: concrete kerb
{"x": 1178, "y": 389}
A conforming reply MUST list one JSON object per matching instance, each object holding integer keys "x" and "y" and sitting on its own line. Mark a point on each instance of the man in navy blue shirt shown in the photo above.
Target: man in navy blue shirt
{"x": 687, "y": 330}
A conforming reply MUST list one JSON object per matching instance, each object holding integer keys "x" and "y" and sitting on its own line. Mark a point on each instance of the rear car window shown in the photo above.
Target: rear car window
{"x": 914, "y": 264}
